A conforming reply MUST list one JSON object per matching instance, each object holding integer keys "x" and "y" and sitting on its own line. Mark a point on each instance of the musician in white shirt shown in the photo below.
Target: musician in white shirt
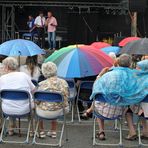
{"x": 40, "y": 27}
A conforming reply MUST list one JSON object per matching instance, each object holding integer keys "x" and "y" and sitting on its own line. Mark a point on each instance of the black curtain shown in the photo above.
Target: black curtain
{"x": 82, "y": 28}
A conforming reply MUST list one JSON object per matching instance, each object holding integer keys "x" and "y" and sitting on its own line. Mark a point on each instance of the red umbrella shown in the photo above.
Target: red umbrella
{"x": 99, "y": 45}
{"x": 127, "y": 40}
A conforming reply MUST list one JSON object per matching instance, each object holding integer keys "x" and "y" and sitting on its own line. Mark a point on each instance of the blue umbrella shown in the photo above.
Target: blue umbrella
{"x": 109, "y": 49}
{"x": 20, "y": 47}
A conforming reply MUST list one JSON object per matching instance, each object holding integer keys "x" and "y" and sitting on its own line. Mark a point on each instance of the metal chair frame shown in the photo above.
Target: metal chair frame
{"x": 139, "y": 125}
{"x": 83, "y": 85}
{"x": 12, "y": 94}
{"x": 49, "y": 97}
{"x": 72, "y": 88}
{"x": 100, "y": 98}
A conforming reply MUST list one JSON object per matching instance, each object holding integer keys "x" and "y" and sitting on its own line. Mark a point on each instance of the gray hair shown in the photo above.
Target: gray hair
{"x": 125, "y": 60}
{"x": 49, "y": 69}
{"x": 112, "y": 55}
{"x": 11, "y": 63}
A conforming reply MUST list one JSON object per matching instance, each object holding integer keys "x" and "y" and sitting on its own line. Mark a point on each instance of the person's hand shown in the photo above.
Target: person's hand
{"x": 104, "y": 70}
{"x": 52, "y": 24}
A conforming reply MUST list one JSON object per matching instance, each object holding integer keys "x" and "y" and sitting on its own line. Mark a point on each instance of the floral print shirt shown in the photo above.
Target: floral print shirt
{"x": 54, "y": 84}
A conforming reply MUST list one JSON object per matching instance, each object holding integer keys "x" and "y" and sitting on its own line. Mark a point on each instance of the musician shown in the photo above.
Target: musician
{"x": 51, "y": 24}
{"x": 40, "y": 27}
{"x": 31, "y": 25}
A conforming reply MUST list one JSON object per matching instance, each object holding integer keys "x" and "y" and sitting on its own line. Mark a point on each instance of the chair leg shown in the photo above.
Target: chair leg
{"x": 28, "y": 132}
{"x": 116, "y": 125}
{"x": 120, "y": 128}
{"x": 35, "y": 134}
{"x": 72, "y": 112}
{"x": 60, "y": 141}
{"x": 94, "y": 131}
{"x": 2, "y": 132}
{"x": 78, "y": 113}
{"x": 139, "y": 133}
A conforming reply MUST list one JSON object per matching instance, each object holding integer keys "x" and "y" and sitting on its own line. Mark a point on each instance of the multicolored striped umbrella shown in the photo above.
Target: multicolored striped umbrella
{"x": 79, "y": 61}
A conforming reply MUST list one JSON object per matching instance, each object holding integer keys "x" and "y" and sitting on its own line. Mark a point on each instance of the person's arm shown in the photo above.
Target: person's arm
{"x": 104, "y": 70}
{"x": 54, "y": 23}
{"x": 32, "y": 28}
{"x": 47, "y": 22}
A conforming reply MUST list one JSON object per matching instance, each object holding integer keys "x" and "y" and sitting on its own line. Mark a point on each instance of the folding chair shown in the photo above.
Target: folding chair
{"x": 45, "y": 96}
{"x": 35, "y": 82}
{"x": 15, "y": 95}
{"x": 73, "y": 93}
{"x": 84, "y": 87}
{"x": 100, "y": 98}
{"x": 139, "y": 125}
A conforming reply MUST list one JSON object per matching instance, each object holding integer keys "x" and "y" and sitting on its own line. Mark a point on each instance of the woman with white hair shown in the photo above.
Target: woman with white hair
{"x": 15, "y": 80}
{"x": 46, "y": 109}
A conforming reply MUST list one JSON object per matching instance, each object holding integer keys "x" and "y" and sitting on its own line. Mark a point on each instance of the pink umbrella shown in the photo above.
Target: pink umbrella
{"x": 99, "y": 45}
{"x": 127, "y": 40}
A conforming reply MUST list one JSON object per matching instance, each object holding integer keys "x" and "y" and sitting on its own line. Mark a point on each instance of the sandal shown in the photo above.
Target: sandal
{"x": 41, "y": 135}
{"x": 131, "y": 138}
{"x": 31, "y": 134}
{"x": 101, "y": 136}
{"x": 144, "y": 137}
{"x": 52, "y": 134}
{"x": 85, "y": 115}
{"x": 11, "y": 132}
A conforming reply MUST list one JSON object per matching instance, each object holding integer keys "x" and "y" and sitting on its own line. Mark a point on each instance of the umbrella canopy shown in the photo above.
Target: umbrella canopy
{"x": 99, "y": 45}
{"x": 128, "y": 40}
{"x": 109, "y": 49}
{"x": 79, "y": 61}
{"x": 20, "y": 47}
{"x": 139, "y": 47}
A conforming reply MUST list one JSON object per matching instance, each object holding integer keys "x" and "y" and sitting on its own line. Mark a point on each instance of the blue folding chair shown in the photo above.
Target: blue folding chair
{"x": 139, "y": 124}
{"x": 16, "y": 95}
{"x": 84, "y": 87}
{"x": 73, "y": 93}
{"x": 96, "y": 115}
{"x": 44, "y": 96}
{"x": 35, "y": 82}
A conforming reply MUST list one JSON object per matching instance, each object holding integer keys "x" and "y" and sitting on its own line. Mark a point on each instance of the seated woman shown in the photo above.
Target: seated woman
{"x": 46, "y": 109}
{"x": 15, "y": 80}
{"x": 106, "y": 109}
{"x": 31, "y": 68}
{"x": 141, "y": 110}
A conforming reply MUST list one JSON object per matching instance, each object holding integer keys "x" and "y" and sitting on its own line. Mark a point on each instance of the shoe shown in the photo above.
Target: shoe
{"x": 144, "y": 137}
{"x": 85, "y": 116}
{"x": 41, "y": 135}
{"x": 101, "y": 136}
{"x": 52, "y": 134}
{"x": 31, "y": 134}
{"x": 11, "y": 132}
{"x": 131, "y": 138}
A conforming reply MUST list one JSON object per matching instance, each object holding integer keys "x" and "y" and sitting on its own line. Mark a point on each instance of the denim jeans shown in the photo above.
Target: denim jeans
{"x": 52, "y": 40}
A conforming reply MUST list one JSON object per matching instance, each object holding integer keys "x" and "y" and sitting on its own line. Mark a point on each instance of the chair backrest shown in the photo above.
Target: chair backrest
{"x": 72, "y": 88}
{"x": 41, "y": 78}
{"x": 145, "y": 100}
{"x": 12, "y": 94}
{"x": 34, "y": 82}
{"x": 85, "y": 90}
{"x": 71, "y": 83}
{"x": 48, "y": 96}
{"x": 99, "y": 97}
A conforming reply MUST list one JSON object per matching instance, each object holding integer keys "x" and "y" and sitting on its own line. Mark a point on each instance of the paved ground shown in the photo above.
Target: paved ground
{"x": 79, "y": 136}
